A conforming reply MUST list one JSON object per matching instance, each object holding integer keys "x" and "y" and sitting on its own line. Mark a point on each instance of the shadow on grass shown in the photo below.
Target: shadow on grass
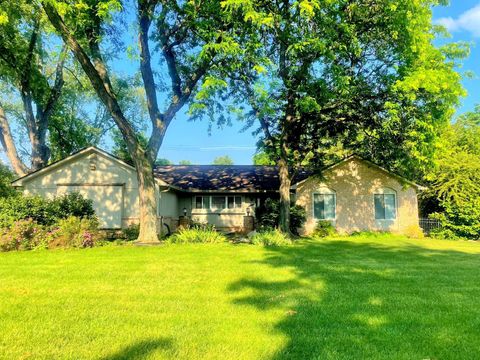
{"x": 349, "y": 300}
{"x": 141, "y": 350}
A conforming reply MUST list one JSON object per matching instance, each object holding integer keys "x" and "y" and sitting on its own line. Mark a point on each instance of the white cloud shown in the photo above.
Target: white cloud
{"x": 468, "y": 21}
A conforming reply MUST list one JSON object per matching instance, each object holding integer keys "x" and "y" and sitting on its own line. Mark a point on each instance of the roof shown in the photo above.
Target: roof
{"x": 71, "y": 157}
{"x": 240, "y": 178}
{"x": 215, "y": 178}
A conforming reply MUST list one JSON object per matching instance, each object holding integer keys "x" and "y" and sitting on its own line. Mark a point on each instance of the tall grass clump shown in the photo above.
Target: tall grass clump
{"x": 272, "y": 237}
{"x": 197, "y": 234}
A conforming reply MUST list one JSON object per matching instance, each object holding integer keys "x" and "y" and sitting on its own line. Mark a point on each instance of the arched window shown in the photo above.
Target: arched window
{"x": 324, "y": 204}
{"x": 385, "y": 201}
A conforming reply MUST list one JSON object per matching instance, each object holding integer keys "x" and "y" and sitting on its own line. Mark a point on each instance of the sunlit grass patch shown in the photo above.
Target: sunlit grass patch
{"x": 344, "y": 297}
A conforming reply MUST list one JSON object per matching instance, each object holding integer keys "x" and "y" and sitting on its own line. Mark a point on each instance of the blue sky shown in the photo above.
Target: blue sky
{"x": 190, "y": 140}
{"x": 462, "y": 19}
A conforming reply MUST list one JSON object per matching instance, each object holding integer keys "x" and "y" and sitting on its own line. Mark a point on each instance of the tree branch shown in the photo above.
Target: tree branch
{"x": 98, "y": 77}
{"x": 56, "y": 90}
{"x": 145, "y": 12}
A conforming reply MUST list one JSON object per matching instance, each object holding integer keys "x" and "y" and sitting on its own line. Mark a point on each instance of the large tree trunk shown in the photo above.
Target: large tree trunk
{"x": 8, "y": 144}
{"x": 285, "y": 183}
{"x": 148, "y": 200}
{"x": 100, "y": 81}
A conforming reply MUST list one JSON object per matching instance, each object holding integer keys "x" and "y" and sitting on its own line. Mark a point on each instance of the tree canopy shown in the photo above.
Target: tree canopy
{"x": 455, "y": 179}
{"x": 343, "y": 75}
{"x": 223, "y": 160}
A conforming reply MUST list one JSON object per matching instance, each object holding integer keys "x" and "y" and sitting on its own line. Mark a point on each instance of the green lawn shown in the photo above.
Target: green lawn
{"x": 354, "y": 298}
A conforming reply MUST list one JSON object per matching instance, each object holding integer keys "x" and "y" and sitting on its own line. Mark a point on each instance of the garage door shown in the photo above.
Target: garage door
{"x": 107, "y": 202}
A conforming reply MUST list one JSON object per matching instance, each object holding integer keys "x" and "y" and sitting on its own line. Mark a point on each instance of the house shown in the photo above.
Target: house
{"x": 354, "y": 194}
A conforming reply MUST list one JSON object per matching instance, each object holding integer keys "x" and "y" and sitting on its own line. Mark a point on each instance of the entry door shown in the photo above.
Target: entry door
{"x": 107, "y": 202}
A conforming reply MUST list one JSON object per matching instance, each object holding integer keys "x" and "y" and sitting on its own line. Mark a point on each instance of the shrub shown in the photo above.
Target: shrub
{"x": 458, "y": 221}
{"x": 75, "y": 232}
{"x": 6, "y": 177}
{"x": 131, "y": 232}
{"x": 70, "y": 232}
{"x": 205, "y": 234}
{"x": 22, "y": 235}
{"x": 270, "y": 238}
{"x": 268, "y": 216}
{"x": 73, "y": 204}
{"x": 414, "y": 232}
{"x": 44, "y": 211}
{"x": 324, "y": 228}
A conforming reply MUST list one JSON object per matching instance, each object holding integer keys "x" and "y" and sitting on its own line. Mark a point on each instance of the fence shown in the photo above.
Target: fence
{"x": 428, "y": 225}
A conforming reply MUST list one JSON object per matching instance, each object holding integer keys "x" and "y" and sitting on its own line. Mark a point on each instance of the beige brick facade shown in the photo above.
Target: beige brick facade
{"x": 355, "y": 182}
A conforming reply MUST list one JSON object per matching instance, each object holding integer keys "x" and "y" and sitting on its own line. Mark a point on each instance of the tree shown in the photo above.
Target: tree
{"x": 454, "y": 181}
{"x": 222, "y": 160}
{"x": 192, "y": 38}
{"x": 25, "y": 68}
{"x": 185, "y": 162}
{"x": 322, "y": 75}
{"x": 43, "y": 94}
{"x": 262, "y": 158}
{"x": 163, "y": 161}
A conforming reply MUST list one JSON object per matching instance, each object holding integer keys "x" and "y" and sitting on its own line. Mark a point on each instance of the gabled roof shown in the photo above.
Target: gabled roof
{"x": 214, "y": 178}
{"x": 72, "y": 157}
{"x": 369, "y": 163}
{"x": 217, "y": 178}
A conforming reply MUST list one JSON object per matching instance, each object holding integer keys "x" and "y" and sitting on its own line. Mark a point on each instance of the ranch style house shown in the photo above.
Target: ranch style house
{"x": 353, "y": 194}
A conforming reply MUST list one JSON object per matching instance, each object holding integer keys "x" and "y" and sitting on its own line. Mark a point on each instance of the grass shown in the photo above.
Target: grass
{"x": 375, "y": 297}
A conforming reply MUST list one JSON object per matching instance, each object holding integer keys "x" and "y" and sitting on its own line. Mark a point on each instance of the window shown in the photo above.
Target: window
{"x": 324, "y": 204}
{"x": 385, "y": 205}
{"x": 234, "y": 202}
{"x": 202, "y": 202}
{"x": 218, "y": 202}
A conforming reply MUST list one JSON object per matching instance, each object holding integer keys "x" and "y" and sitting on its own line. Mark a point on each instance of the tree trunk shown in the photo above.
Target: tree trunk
{"x": 9, "y": 147}
{"x": 100, "y": 81}
{"x": 148, "y": 200}
{"x": 285, "y": 183}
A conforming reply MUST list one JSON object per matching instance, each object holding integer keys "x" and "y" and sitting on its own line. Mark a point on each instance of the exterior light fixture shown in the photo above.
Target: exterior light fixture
{"x": 248, "y": 211}
{"x": 185, "y": 211}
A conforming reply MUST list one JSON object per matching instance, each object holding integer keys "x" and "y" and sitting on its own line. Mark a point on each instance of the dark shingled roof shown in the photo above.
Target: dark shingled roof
{"x": 247, "y": 178}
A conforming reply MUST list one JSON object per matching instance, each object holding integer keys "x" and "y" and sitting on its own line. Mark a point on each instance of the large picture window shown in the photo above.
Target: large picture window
{"x": 324, "y": 205}
{"x": 385, "y": 205}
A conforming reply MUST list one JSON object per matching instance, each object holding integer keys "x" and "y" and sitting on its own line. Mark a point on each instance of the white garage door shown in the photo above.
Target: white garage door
{"x": 107, "y": 202}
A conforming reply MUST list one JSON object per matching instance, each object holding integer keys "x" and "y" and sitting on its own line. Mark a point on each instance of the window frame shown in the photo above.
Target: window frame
{"x": 325, "y": 191}
{"x": 203, "y": 202}
{"x": 210, "y": 207}
{"x": 383, "y": 192}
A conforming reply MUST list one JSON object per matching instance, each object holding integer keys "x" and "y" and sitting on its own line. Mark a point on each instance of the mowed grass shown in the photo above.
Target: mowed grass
{"x": 365, "y": 297}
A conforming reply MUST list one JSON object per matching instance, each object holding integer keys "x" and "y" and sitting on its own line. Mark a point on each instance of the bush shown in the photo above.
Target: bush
{"x": 198, "y": 233}
{"x": 414, "y": 232}
{"x": 75, "y": 232}
{"x": 23, "y": 235}
{"x": 268, "y": 216}
{"x": 6, "y": 177}
{"x": 73, "y": 204}
{"x": 44, "y": 211}
{"x": 70, "y": 232}
{"x": 270, "y": 238}
{"x": 324, "y": 228}
{"x": 131, "y": 232}
{"x": 458, "y": 221}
